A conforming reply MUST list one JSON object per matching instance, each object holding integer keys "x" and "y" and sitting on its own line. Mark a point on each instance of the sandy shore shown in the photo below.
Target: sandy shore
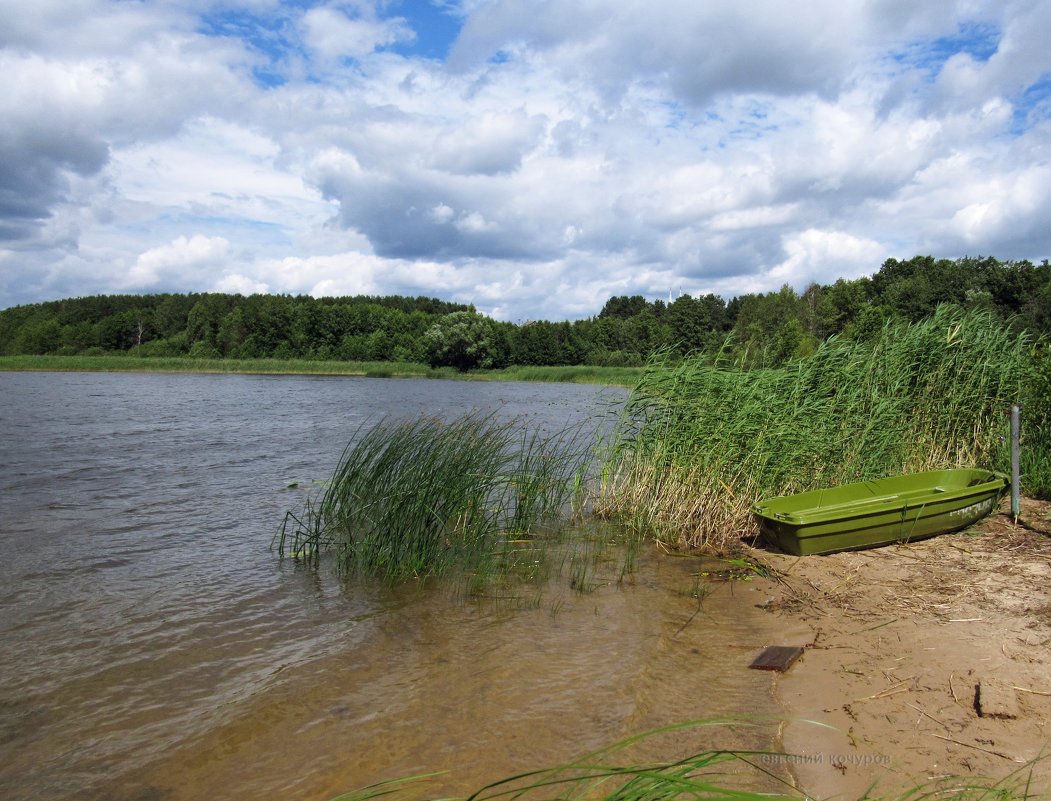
{"x": 923, "y": 661}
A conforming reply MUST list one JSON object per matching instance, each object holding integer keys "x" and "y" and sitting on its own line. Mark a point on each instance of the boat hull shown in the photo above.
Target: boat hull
{"x": 873, "y": 513}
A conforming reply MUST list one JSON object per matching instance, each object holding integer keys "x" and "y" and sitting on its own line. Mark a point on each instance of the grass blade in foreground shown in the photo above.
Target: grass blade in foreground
{"x": 706, "y": 776}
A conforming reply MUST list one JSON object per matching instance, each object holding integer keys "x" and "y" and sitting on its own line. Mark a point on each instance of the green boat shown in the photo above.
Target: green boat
{"x": 872, "y": 513}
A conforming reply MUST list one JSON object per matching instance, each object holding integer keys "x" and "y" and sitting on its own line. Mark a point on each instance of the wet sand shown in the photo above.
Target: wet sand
{"x": 924, "y": 662}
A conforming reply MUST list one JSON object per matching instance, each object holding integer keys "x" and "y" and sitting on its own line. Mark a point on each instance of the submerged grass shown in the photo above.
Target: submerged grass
{"x": 421, "y": 497}
{"x": 699, "y": 444}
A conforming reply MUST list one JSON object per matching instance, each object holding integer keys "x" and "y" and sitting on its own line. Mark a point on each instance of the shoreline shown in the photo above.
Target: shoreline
{"x": 924, "y": 662}
{"x": 568, "y": 374}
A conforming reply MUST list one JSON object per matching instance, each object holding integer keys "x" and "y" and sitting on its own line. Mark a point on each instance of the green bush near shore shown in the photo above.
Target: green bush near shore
{"x": 700, "y": 444}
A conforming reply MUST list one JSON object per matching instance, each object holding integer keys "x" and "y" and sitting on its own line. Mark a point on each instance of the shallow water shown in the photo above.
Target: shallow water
{"x": 152, "y": 647}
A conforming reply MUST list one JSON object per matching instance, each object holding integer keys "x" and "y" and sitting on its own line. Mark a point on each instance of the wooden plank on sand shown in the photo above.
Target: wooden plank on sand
{"x": 994, "y": 700}
{"x": 777, "y": 657}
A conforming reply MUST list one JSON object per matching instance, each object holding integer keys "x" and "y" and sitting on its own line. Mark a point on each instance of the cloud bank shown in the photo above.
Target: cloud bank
{"x": 531, "y": 157}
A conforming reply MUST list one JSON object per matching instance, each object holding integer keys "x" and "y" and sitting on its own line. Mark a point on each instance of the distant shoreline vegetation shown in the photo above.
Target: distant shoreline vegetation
{"x": 116, "y": 363}
{"x": 751, "y": 331}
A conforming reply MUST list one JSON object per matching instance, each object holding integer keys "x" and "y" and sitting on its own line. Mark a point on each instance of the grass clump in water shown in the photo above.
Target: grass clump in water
{"x": 700, "y": 444}
{"x": 424, "y": 496}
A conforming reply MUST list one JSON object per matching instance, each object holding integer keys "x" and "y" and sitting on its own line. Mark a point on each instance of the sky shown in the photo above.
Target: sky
{"x": 531, "y": 157}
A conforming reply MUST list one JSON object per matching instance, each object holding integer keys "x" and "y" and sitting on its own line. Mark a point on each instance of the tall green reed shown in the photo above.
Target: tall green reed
{"x": 1036, "y": 427}
{"x": 420, "y": 497}
{"x": 699, "y": 444}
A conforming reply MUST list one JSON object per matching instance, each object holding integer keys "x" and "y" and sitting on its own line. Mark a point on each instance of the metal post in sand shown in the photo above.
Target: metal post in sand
{"x": 1016, "y": 415}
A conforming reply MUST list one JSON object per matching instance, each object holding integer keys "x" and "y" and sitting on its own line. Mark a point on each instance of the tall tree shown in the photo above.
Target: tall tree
{"x": 463, "y": 340}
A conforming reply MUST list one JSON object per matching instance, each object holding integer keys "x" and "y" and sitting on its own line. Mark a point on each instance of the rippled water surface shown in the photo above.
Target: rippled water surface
{"x": 152, "y": 647}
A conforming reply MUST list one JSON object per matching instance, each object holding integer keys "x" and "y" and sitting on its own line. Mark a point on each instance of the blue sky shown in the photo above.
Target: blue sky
{"x": 435, "y": 25}
{"x": 532, "y": 157}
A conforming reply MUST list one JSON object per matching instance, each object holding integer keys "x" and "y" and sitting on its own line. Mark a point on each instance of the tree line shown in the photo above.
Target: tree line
{"x": 762, "y": 329}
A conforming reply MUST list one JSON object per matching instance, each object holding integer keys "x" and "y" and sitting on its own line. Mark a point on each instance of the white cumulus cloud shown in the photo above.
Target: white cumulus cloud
{"x": 543, "y": 157}
{"x": 185, "y": 260}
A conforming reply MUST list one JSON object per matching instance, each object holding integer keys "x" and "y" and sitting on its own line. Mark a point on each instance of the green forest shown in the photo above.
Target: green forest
{"x": 756, "y": 330}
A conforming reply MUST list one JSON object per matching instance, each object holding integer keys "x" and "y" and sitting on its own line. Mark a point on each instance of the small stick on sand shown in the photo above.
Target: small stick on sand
{"x": 877, "y": 626}
{"x": 928, "y": 714}
{"x": 884, "y": 694}
{"x": 979, "y": 748}
{"x": 1034, "y": 692}
{"x": 951, "y": 690}
{"x": 893, "y": 689}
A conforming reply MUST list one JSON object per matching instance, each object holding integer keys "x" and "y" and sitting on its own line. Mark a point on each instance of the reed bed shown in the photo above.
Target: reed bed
{"x": 566, "y": 374}
{"x": 421, "y": 497}
{"x": 700, "y": 444}
{"x": 1036, "y": 428}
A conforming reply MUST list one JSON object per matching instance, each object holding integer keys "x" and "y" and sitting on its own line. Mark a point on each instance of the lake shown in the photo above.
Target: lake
{"x": 152, "y": 646}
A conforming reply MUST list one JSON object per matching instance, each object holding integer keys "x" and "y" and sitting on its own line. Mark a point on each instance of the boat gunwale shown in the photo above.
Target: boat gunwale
{"x": 871, "y": 507}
